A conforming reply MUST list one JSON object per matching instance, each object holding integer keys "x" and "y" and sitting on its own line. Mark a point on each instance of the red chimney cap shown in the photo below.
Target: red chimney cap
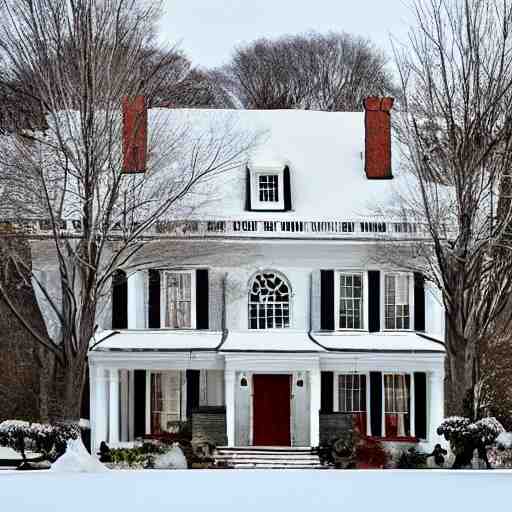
{"x": 378, "y": 104}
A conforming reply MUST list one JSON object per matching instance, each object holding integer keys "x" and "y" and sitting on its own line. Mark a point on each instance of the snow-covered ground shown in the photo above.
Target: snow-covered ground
{"x": 258, "y": 490}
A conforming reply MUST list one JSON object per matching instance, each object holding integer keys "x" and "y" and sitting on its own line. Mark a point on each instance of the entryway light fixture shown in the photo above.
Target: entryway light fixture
{"x": 243, "y": 381}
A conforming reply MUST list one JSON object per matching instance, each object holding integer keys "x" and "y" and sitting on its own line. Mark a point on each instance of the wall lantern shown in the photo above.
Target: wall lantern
{"x": 300, "y": 380}
{"x": 243, "y": 381}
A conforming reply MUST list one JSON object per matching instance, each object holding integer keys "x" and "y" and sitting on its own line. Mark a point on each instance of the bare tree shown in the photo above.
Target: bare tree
{"x": 332, "y": 72}
{"x": 455, "y": 136}
{"x": 72, "y": 172}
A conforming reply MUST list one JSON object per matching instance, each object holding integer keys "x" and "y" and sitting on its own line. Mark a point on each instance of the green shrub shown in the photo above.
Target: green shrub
{"x": 412, "y": 459}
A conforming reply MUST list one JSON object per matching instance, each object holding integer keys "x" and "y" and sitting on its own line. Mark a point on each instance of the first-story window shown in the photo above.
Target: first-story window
{"x": 352, "y": 398}
{"x": 178, "y": 299}
{"x": 166, "y": 401}
{"x": 397, "y": 301}
{"x": 350, "y": 301}
{"x": 397, "y": 421}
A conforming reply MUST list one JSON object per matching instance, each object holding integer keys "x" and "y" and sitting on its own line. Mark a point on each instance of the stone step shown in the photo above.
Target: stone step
{"x": 271, "y": 457}
{"x": 243, "y": 456}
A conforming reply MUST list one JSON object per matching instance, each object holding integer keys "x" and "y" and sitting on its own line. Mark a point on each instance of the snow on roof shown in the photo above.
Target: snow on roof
{"x": 278, "y": 340}
{"x": 382, "y": 341}
{"x": 324, "y": 151}
{"x": 161, "y": 339}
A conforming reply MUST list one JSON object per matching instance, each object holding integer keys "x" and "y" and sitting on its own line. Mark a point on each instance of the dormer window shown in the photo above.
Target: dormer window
{"x": 268, "y": 189}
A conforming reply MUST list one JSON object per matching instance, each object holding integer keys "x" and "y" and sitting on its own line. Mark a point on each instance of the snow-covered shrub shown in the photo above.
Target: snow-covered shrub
{"x": 501, "y": 453}
{"x": 14, "y": 435}
{"x": 465, "y": 437}
{"x": 48, "y": 440}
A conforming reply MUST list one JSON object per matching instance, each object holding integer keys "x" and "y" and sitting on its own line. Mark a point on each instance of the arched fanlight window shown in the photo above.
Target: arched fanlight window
{"x": 269, "y": 302}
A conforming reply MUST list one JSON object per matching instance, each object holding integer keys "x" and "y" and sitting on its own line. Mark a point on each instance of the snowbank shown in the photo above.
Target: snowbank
{"x": 77, "y": 460}
{"x": 257, "y": 490}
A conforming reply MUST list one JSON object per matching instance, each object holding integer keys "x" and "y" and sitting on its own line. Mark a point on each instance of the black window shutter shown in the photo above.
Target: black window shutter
{"x": 248, "y": 206}
{"x": 193, "y": 378}
{"x": 154, "y": 299}
{"x": 326, "y": 391}
{"x": 119, "y": 300}
{"x": 374, "y": 301}
{"x": 420, "y": 404}
{"x": 139, "y": 408}
{"x": 419, "y": 302}
{"x": 202, "y": 302}
{"x": 287, "y": 189}
{"x": 327, "y": 300}
{"x": 376, "y": 403}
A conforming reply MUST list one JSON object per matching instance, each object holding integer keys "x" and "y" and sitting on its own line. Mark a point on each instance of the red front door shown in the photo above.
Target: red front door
{"x": 271, "y": 410}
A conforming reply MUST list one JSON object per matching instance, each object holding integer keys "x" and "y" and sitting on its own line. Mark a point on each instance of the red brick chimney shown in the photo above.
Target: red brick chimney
{"x": 377, "y": 125}
{"x": 135, "y": 134}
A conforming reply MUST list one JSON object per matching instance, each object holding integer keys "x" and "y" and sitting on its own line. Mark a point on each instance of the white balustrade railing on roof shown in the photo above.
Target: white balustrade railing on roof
{"x": 241, "y": 228}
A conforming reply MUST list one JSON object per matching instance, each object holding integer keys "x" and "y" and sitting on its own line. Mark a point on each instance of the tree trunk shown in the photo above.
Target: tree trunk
{"x": 460, "y": 380}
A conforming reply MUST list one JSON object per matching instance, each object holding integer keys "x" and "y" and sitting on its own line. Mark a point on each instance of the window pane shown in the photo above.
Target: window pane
{"x": 269, "y": 306}
{"x": 352, "y": 393}
{"x": 165, "y": 401}
{"x": 268, "y": 188}
{"x": 350, "y": 301}
{"x": 178, "y": 308}
{"x": 396, "y": 307}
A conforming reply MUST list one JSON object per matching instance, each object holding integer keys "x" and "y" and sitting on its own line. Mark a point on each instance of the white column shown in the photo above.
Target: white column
{"x": 124, "y": 402}
{"x": 99, "y": 410}
{"x": 412, "y": 401}
{"x": 436, "y": 405}
{"x": 314, "y": 422}
{"x": 131, "y": 405}
{"x": 137, "y": 300}
{"x": 113, "y": 400}
{"x": 229, "y": 379}
{"x": 336, "y": 393}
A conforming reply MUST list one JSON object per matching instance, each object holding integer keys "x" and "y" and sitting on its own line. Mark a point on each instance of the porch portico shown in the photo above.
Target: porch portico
{"x": 298, "y": 392}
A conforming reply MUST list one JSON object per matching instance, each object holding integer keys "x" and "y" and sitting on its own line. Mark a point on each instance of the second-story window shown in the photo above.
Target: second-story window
{"x": 269, "y": 302}
{"x": 350, "y": 301}
{"x": 397, "y": 301}
{"x": 179, "y": 299}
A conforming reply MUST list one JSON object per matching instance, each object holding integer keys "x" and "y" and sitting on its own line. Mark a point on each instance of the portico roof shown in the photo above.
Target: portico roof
{"x": 378, "y": 342}
{"x": 278, "y": 340}
{"x": 158, "y": 340}
{"x": 271, "y": 340}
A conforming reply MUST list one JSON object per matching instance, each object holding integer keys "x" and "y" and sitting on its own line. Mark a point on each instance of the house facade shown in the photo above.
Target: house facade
{"x": 273, "y": 315}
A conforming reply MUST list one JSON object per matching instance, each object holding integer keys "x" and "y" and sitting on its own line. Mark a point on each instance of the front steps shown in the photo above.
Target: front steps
{"x": 267, "y": 457}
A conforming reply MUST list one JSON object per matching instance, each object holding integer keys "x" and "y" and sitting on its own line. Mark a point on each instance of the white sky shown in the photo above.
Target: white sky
{"x": 207, "y": 30}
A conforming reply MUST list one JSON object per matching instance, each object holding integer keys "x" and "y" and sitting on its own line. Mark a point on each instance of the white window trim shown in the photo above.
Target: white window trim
{"x": 364, "y": 275}
{"x": 163, "y": 296}
{"x": 412, "y": 404}
{"x": 256, "y": 204}
{"x": 383, "y": 300}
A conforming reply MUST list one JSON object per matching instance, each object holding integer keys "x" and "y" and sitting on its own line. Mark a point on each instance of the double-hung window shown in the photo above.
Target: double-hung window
{"x": 397, "y": 301}
{"x": 166, "y": 401}
{"x": 397, "y": 422}
{"x": 179, "y": 299}
{"x": 352, "y": 398}
{"x": 350, "y": 301}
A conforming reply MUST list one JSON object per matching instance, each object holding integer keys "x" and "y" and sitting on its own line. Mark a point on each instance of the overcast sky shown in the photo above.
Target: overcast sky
{"x": 209, "y": 29}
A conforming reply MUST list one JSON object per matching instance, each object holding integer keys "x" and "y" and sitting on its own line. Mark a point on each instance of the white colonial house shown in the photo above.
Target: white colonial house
{"x": 273, "y": 317}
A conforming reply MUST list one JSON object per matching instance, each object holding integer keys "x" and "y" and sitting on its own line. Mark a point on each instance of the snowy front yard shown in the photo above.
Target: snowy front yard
{"x": 258, "y": 490}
